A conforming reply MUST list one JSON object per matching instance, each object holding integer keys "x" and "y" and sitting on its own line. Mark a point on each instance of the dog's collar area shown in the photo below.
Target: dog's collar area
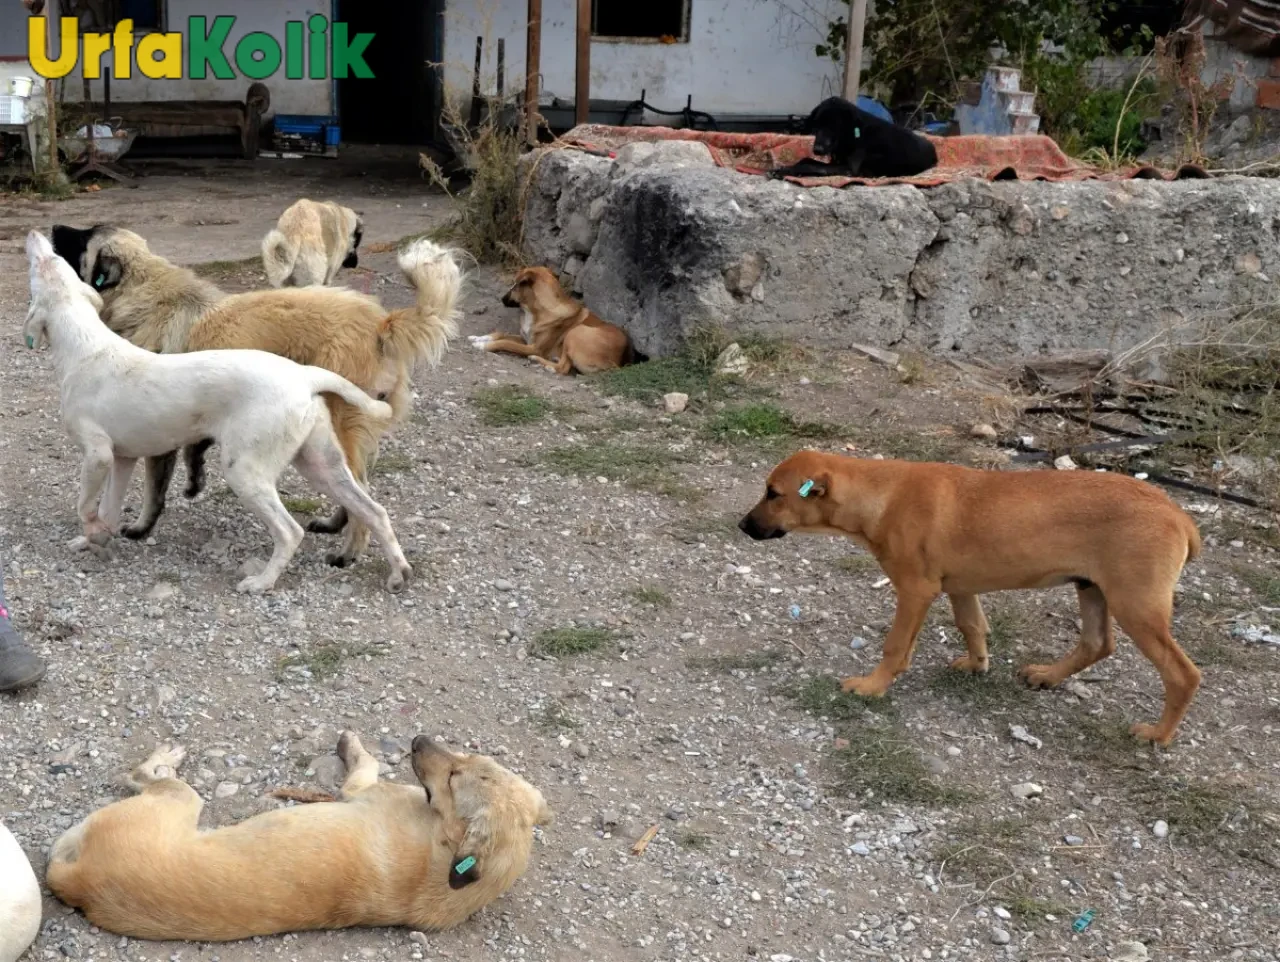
{"x": 806, "y": 488}
{"x": 463, "y": 872}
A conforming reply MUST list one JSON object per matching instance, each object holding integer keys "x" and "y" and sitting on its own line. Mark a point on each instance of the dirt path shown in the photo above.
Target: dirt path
{"x": 793, "y": 825}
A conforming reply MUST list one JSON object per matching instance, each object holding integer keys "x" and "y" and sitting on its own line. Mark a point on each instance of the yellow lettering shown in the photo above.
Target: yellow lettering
{"x": 122, "y": 54}
{"x": 37, "y": 47}
{"x": 168, "y": 65}
{"x": 95, "y": 45}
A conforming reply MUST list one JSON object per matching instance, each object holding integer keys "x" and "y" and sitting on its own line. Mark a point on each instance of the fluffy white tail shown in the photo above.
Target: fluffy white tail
{"x": 326, "y": 382}
{"x": 279, "y": 254}
{"x": 423, "y": 332}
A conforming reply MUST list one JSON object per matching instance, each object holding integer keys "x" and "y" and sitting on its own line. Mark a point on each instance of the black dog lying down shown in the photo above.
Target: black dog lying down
{"x": 859, "y": 144}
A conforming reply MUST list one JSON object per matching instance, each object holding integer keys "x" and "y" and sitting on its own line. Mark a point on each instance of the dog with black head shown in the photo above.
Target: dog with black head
{"x": 859, "y": 144}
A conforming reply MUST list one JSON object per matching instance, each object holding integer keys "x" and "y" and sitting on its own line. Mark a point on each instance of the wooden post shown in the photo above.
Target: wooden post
{"x": 853, "y": 49}
{"x": 532, "y": 67}
{"x": 582, "y": 70}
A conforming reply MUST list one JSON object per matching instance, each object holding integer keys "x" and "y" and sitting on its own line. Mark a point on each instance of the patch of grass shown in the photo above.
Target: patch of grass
{"x": 216, "y": 269}
{"x": 509, "y": 405}
{"x": 392, "y": 462}
{"x": 302, "y": 505}
{"x": 570, "y": 642}
{"x": 988, "y": 692}
{"x": 912, "y": 369}
{"x": 985, "y": 850}
{"x": 881, "y": 763}
{"x": 857, "y": 564}
{"x": 822, "y": 696}
{"x": 554, "y": 717}
{"x": 1233, "y": 529}
{"x": 775, "y": 353}
{"x": 1217, "y": 815}
{"x": 1005, "y": 627}
{"x": 694, "y": 841}
{"x": 649, "y": 595}
{"x": 763, "y": 421}
{"x": 911, "y": 445}
{"x": 691, "y": 372}
{"x": 750, "y": 662}
{"x": 1031, "y": 908}
{"x": 1105, "y": 742}
{"x": 699, "y": 530}
{"x": 642, "y": 468}
{"x": 320, "y": 661}
{"x": 1265, "y": 587}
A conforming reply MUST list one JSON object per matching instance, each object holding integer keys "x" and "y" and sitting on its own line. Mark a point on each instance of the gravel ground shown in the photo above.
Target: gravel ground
{"x": 585, "y": 611}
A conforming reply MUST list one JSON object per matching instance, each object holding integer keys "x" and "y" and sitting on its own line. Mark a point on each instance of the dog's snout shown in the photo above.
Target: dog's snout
{"x": 753, "y": 529}
{"x": 508, "y": 300}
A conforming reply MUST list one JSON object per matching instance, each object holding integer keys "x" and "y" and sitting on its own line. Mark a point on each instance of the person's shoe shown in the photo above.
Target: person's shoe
{"x": 20, "y": 667}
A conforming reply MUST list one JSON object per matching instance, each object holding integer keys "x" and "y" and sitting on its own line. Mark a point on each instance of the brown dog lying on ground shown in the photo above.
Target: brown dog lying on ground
{"x": 941, "y": 528}
{"x": 557, "y": 328}
{"x": 386, "y": 854}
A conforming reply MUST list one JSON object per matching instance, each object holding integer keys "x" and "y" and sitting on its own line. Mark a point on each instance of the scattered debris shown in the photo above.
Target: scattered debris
{"x": 1000, "y": 937}
{"x": 643, "y": 841}
{"x": 675, "y": 402}
{"x": 983, "y": 431}
{"x": 1131, "y": 952}
{"x": 1065, "y": 463}
{"x": 1160, "y": 829}
{"x": 1256, "y": 634}
{"x": 1022, "y": 735}
{"x": 887, "y": 358}
{"x": 732, "y": 361}
{"x": 1027, "y": 790}
{"x": 1083, "y": 921}
{"x": 858, "y": 643}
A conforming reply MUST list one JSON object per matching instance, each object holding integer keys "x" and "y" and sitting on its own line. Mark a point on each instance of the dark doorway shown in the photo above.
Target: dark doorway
{"x": 401, "y": 102}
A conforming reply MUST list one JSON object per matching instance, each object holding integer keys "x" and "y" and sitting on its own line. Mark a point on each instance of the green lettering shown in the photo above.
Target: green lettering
{"x": 294, "y": 32}
{"x": 348, "y": 54}
{"x": 258, "y": 68}
{"x": 319, "y": 58}
{"x": 204, "y": 48}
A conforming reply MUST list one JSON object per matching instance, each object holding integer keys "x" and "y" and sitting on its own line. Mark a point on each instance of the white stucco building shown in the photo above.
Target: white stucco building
{"x": 750, "y": 57}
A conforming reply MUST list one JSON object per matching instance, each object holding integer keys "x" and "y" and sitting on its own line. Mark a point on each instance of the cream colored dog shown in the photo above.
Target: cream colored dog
{"x": 428, "y": 857}
{"x": 121, "y": 403}
{"x": 20, "y": 904}
{"x": 310, "y": 243}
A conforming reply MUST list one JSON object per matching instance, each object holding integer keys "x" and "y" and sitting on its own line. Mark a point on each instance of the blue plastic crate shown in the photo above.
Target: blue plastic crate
{"x": 305, "y": 125}
{"x": 332, "y": 135}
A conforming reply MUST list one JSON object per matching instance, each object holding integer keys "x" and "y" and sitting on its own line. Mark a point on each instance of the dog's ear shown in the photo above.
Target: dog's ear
{"x": 816, "y": 486}
{"x": 463, "y": 871}
{"x": 107, "y": 272}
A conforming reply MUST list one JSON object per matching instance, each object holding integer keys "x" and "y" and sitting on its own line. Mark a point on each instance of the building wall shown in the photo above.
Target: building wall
{"x": 743, "y": 56}
{"x": 287, "y": 96}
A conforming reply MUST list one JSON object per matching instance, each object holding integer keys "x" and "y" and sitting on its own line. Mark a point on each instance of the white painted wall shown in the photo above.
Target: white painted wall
{"x": 287, "y": 96}
{"x": 743, "y": 56}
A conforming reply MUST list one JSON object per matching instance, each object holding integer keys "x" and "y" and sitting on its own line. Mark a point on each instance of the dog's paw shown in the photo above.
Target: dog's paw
{"x": 480, "y": 341}
{"x": 256, "y": 585}
{"x": 972, "y": 665}
{"x": 349, "y": 749}
{"x": 867, "y": 686}
{"x": 397, "y": 580}
{"x": 165, "y": 761}
{"x": 1040, "y": 676}
{"x": 1151, "y": 733}
{"x": 777, "y": 174}
{"x": 137, "y": 532}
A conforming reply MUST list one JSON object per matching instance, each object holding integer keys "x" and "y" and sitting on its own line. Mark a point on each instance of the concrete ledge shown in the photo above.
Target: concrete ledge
{"x": 972, "y": 267}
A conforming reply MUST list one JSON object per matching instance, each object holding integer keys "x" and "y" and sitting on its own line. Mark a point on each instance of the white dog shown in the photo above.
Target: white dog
{"x": 121, "y": 403}
{"x": 20, "y": 904}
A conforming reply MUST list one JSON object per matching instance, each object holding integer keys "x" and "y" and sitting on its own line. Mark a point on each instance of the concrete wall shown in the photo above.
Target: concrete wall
{"x": 287, "y": 96}
{"x": 743, "y": 56}
{"x": 662, "y": 242}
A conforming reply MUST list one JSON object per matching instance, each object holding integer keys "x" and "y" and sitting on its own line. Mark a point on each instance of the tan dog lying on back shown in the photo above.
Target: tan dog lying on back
{"x": 428, "y": 857}
{"x": 557, "y": 328}
{"x": 941, "y": 528}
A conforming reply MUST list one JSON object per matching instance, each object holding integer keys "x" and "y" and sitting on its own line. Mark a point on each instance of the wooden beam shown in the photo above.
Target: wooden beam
{"x": 853, "y": 49}
{"x": 532, "y": 68}
{"x": 582, "y": 68}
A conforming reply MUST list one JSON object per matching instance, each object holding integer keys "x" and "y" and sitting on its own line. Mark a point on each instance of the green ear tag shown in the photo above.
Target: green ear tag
{"x": 466, "y": 865}
{"x": 99, "y": 281}
{"x": 806, "y": 488}
{"x": 857, "y": 132}
{"x": 31, "y": 343}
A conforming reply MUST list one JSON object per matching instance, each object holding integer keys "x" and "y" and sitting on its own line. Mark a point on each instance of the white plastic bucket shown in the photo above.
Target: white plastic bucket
{"x": 21, "y": 86}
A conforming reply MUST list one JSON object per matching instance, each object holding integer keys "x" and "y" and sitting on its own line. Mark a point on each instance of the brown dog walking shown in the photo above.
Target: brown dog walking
{"x": 945, "y": 529}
